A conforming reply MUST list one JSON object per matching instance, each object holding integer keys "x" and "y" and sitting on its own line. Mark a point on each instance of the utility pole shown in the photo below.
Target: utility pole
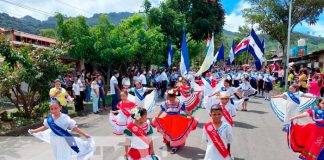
{"x": 288, "y": 47}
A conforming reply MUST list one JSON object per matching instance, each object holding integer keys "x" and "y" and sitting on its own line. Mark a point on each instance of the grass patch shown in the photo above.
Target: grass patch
{"x": 278, "y": 89}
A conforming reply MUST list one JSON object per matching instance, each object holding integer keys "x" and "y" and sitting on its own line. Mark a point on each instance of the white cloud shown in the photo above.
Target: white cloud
{"x": 79, "y": 7}
{"x": 317, "y": 29}
{"x": 235, "y": 18}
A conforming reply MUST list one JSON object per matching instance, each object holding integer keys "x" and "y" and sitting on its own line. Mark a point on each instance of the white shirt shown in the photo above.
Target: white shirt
{"x": 113, "y": 82}
{"x": 142, "y": 78}
{"x": 76, "y": 89}
{"x": 80, "y": 84}
{"x": 225, "y": 132}
{"x": 163, "y": 77}
{"x": 126, "y": 82}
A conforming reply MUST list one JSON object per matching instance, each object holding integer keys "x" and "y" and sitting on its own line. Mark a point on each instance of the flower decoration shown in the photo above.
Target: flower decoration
{"x": 134, "y": 110}
{"x": 173, "y": 92}
{"x": 137, "y": 115}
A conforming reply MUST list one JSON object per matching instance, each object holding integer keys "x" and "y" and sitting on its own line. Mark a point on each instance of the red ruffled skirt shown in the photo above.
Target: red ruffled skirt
{"x": 175, "y": 128}
{"x": 307, "y": 140}
{"x": 193, "y": 101}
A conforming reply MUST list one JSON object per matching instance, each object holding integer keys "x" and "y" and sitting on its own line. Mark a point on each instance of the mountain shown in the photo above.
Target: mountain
{"x": 31, "y": 25}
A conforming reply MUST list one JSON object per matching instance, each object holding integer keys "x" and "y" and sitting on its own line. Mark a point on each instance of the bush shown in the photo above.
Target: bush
{"x": 41, "y": 109}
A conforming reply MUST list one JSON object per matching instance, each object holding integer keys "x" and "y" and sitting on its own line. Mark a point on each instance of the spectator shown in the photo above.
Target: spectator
{"x": 281, "y": 76}
{"x": 142, "y": 78}
{"x": 61, "y": 95}
{"x": 302, "y": 81}
{"x": 291, "y": 77}
{"x": 126, "y": 82}
{"x": 315, "y": 86}
{"x": 68, "y": 82}
{"x": 95, "y": 95}
{"x": 114, "y": 89}
{"x": 82, "y": 87}
{"x": 88, "y": 89}
{"x": 163, "y": 78}
{"x": 78, "y": 105}
{"x": 102, "y": 93}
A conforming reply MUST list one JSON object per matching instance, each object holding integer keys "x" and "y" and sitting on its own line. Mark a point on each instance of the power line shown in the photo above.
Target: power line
{"x": 28, "y": 8}
{"x": 67, "y": 4}
{"x": 11, "y": 13}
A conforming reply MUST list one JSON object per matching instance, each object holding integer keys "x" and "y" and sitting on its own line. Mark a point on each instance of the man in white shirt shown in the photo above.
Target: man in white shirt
{"x": 77, "y": 97}
{"x": 142, "y": 78}
{"x": 163, "y": 78}
{"x": 114, "y": 89}
{"x": 81, "y": 87}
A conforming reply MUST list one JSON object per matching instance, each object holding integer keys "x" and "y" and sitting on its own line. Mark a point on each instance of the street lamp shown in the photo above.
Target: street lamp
{"x": 288, "y": 46}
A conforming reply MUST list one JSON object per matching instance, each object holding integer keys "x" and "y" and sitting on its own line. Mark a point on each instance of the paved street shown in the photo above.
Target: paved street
{"x": 257, "y": 136}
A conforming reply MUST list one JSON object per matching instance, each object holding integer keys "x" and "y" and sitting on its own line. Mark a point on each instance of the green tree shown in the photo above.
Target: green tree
{"x": 50, "y": 33}
{"x": 197, "y": 18}
{"x": 77, "y": 34}
{"x": 128, "y": 44}
{"x": 36, "y": 68}
{"x": 272, "y": 16}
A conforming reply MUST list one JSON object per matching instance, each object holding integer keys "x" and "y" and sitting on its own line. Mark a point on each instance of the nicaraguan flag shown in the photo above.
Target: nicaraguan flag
{"x": 184, "y": 64}
{"x": 219, "y": 55}
{"x": 231, "y": 55}
{"x": 170, "y": 55}
{"x": 208, "y": 61}
{"x": 256, "y": 49}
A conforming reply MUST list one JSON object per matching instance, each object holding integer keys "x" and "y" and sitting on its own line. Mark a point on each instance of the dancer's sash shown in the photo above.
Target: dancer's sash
{"x": 138, "y": 95}
{"x": 139, "y": 132}
{"x": 216, "y": 139}
{"x": 293, "y": 97}
{"x": 227, "y": 116}
{"x": 63, "y": 133}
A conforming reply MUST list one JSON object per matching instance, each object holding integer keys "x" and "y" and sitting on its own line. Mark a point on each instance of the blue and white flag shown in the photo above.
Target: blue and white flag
{"x": 219, "y": 55}
{"x": 184, "y": 64}
{"x": 231, "y": 55}
{"x": 170, "y": 55}
{"x": 256, "y": 49}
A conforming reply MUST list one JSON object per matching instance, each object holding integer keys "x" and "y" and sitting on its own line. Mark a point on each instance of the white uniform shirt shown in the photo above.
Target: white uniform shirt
{"x": 142, "y": 78}
{"x": 113, "y": 82}
{"x": 76, "y": 89}
{"x": 225, "y": 132}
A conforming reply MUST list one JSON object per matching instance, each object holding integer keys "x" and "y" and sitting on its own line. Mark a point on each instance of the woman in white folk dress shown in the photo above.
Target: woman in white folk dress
{"x": 121, "y": 118}
{"x": 64, "y": 144}
{"x": 140, "y": 92}
{"x": 293, "y": 102}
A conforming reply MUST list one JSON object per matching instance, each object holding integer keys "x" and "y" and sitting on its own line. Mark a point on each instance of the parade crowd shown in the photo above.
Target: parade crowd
{"x": 221, "y": 92}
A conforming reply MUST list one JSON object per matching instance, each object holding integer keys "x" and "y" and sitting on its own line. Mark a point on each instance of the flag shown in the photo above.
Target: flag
{"x": 207, "y": 43}
{"x": 184, "y": 64}
{"x": 208, "y": 61}
{"x": 219, "y": 55}
{"x": 231, "y": 55}
{"x": 242, "y": 46}
{"x": 170, "y": 55}
{"x": 256, "y": 49}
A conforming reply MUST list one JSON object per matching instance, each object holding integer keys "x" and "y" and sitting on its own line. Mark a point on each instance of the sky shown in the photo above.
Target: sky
{"x": 44, "y": 8}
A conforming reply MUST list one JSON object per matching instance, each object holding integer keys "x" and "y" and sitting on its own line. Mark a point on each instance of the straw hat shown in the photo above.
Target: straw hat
{"x": 224, "y": 95}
